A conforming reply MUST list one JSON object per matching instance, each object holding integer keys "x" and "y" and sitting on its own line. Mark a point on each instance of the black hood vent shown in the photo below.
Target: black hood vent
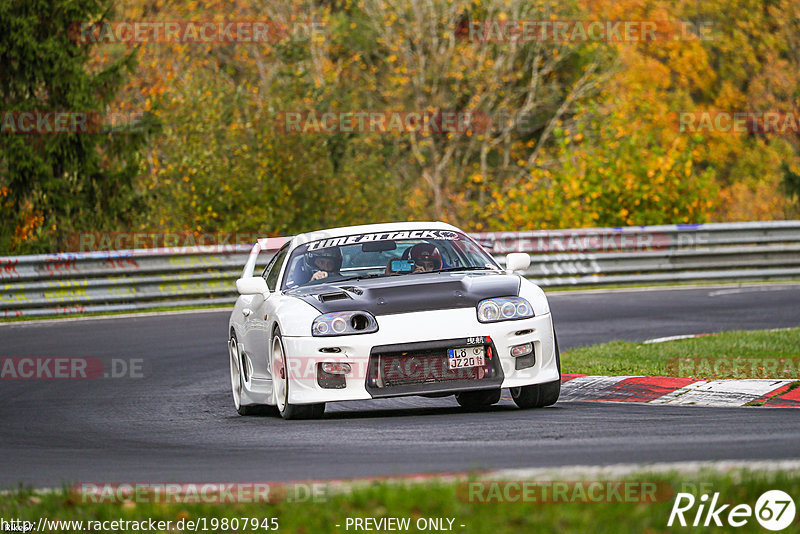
{"x": 338, "y": 295}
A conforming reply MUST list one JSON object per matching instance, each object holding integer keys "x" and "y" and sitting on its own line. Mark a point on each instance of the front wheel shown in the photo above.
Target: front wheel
{"x": 539, "y": 395}
{"x": 280, "y": 383}
{"x": 237, "y": 381}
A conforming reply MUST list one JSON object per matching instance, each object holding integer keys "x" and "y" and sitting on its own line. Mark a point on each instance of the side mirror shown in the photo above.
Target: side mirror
{"x": 253, "y": 285}
{"x": 517, "y": 261}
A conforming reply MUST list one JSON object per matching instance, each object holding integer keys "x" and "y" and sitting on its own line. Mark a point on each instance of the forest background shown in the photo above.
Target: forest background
{"x": 572, "y": 133}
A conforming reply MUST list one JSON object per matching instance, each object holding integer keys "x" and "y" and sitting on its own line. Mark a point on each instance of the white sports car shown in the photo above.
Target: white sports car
{"x": 388, "y": 310}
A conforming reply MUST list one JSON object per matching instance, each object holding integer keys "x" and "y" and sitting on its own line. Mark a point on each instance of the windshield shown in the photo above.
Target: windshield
{"x": 384, "y": 254}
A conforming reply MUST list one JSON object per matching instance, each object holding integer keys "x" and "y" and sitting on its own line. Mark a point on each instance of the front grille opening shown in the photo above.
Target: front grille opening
{"x": 422, "y": 367}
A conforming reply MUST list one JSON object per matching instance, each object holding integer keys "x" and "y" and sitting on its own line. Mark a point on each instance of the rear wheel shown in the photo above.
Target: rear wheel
{"x": 237, "y": 364}
{"x": 476, "y": 400}
{"x": 539, "y": 395}
{"x": 280, "y": 383}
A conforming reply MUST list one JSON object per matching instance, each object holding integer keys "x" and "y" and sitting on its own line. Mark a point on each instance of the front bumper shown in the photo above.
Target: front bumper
{"x": 420, "y": 334}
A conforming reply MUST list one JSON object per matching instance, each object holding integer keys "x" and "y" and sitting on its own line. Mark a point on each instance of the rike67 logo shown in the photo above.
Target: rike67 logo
{"x": 774, "y": 510}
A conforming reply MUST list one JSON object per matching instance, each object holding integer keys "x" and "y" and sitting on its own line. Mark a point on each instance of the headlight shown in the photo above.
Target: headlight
{"x": 344, "y": 323}
{"x": 504, "y": 309}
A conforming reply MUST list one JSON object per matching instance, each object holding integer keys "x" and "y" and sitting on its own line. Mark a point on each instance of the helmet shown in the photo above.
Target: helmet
{"x": 333, "y": 254}
{"x": 428, "y": 253}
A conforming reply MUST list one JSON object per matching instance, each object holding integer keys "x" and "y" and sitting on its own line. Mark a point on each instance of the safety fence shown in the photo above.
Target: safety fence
{"x": 86, "y": 282}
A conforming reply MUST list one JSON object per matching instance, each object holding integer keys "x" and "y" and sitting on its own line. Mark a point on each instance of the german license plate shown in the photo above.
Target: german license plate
{"x": 462, "y": 357}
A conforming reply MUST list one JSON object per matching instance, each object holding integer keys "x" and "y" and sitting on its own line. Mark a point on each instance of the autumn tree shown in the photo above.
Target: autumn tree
{"x": 53, "y": 184}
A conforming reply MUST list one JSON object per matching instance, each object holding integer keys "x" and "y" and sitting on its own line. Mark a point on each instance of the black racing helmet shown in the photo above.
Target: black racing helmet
{"x": 332, "y": 253}
{"x": 426, "y": 253}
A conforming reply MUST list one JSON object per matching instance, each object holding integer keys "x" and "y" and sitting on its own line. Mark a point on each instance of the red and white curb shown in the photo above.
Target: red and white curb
{"x": 683, "y": 391}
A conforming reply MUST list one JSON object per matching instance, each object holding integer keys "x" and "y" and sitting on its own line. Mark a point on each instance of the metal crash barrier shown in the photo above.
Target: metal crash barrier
{"x": 87, "y": 282}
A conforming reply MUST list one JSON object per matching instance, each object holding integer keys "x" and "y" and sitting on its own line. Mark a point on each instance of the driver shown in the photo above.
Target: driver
{"x": 324, "y": 262}
{"x": 426, "y": 257}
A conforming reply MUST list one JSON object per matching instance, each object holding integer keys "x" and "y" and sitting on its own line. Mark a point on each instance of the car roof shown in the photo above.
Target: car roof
{"x": 369, "y": 229}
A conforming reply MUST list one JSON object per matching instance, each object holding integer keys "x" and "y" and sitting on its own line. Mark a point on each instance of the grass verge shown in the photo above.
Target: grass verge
{"x": 738, "y": 354}
{"x": 572, "y": 512}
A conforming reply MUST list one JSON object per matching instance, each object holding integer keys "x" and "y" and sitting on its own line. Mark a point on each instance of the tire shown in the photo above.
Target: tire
{"x": 539, "y": 395}
{"x": 237, "y": 364}
{"x": 477, "y": 400}
{"x": 280, "y": 382}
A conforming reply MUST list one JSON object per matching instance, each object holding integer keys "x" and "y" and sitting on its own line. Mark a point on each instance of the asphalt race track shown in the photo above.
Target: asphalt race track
{"x": 177, "y": 423}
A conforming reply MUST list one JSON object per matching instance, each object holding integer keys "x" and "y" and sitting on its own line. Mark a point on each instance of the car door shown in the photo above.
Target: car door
{"x": 261, "y": 316}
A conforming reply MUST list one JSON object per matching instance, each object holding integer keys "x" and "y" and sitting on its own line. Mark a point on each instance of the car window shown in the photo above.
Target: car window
{"x": 372, "y": 255}
{"x": 274, "y": 268}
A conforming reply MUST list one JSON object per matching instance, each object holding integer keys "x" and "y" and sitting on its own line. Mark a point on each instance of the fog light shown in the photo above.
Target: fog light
{"x": 335, "y": 368}
{"x": 521, "y": 350}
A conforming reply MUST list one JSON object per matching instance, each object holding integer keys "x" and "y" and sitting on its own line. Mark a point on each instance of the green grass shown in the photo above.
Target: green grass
{"x": 437, "y": 500}
{"x": 740, "y": 354}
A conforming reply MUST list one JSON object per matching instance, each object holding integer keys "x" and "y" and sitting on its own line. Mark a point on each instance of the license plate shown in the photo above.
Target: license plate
{"x": 462, "y": 357}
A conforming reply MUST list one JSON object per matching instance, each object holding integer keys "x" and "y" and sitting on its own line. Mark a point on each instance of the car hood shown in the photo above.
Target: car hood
{"x": 408, "y": 293}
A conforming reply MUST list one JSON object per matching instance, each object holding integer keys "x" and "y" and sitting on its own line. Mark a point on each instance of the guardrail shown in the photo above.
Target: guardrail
{"x": 86, "y": 282}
